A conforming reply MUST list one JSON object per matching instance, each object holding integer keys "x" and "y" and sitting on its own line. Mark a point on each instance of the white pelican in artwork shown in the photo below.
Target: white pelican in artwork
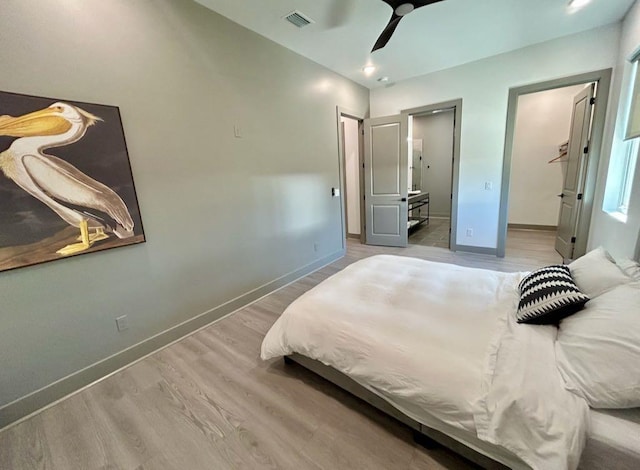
{"x": 78, "y": 199}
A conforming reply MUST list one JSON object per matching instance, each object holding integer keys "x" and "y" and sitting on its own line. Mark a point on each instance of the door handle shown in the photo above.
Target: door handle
{"x": 561, "y": 195}
{"x": 404, "y": 199}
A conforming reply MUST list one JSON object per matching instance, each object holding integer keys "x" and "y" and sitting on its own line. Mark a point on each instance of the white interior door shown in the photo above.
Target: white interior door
{"x": 578, "y": 152}
{"x": 386, "y": 170}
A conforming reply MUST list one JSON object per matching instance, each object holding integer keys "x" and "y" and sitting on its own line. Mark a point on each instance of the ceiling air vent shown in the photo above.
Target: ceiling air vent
{"x": 298, "y": 19}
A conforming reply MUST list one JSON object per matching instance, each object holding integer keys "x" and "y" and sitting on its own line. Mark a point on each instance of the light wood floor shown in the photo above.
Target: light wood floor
{"x": 534, "y": 244}
{"x": 209, "y": 402}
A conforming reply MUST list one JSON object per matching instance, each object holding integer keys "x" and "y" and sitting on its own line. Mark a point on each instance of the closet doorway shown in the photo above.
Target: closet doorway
{"x": 539, "y": 166}
{"x": 432, "y": 172}
{"x": 554, "y": 135}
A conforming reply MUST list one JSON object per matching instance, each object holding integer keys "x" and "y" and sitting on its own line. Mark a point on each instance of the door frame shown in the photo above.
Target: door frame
{"x": 360, "y": 117}
{"x": 603, "y": 81}
{"x": 455, "y": 177}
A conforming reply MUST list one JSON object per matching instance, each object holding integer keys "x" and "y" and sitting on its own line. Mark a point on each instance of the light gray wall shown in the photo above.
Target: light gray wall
{"x": 618, "y": 237}
{"x": 484, "y": 87}
{"x": 436, "y": 132}
{"x": 543, "y": 122}
{"x": 222, "y": 215}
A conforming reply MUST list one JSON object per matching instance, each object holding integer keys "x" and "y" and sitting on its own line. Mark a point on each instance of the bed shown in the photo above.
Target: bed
{"x": 437, "y": 346}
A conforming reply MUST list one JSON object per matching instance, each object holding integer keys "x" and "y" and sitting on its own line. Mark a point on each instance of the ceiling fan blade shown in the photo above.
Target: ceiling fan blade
{"x": 416, "y": 3}
{"x": 387, "y": 33}
{"x": 424, "y": 3}
{"x": 395, "y": 19}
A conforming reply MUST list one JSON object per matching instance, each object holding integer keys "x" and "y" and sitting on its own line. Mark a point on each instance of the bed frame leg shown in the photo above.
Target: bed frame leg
{"x": 287, "y": 360}
{"x": 424, "y": 440}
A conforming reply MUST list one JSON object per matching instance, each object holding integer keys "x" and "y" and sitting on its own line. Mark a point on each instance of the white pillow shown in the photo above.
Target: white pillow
{"x": 596, "y": 272}
{"x": 630, "y": 268}
{"x": 598, "y": 349}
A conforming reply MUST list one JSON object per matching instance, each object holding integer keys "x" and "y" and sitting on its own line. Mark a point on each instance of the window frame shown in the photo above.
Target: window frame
{"x": 628, "y": 172}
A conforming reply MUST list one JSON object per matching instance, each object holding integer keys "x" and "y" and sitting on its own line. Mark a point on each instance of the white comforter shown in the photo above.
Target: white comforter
{"x": 440, "y": 342}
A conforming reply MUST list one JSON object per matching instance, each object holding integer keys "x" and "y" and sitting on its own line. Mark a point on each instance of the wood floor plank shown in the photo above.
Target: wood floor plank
{"x": 208, "y": 401}
{"x": 26, "y": 446}
{"x": 72, "y": 437}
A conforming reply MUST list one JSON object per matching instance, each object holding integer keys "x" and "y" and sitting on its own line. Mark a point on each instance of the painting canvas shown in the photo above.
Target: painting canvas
{"x": 66, "y": 186}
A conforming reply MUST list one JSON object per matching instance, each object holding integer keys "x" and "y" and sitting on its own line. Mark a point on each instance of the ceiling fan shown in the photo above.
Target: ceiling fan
{"x": 401, "y": 8}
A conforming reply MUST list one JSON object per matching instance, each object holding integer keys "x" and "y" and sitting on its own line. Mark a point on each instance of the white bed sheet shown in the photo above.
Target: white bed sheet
{"x": 432, "y": 339}
{"x": 402, "y": 327}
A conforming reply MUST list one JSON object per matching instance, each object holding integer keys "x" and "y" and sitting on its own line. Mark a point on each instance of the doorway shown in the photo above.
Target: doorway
{"x": 390, "y": 206}
{"x": 539, "y": 166}
{"x": 431, "y": 177}
{"x": 434, "y": 136}
{"x": 350, "y": 146}
{"x": 586, "y": 128}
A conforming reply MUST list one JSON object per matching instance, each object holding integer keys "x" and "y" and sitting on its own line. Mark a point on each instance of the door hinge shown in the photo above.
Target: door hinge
{"x": 573, "y": 239}
{"x": 363, "y": 166}
{"x": 585, "y": 150}
{"x": 579, "y": 196}
{"x": 592, "y": 101}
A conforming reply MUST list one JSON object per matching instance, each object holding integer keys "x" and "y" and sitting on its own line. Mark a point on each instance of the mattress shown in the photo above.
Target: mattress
{"x": 613, "y": 441}
{"x": 439, "y": 342}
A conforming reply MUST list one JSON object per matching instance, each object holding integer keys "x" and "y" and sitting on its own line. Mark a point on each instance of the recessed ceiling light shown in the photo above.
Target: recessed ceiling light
{"x": 369, "y": 69}
{"x": 575, "y": 5}
{"x": 383, "y": 79}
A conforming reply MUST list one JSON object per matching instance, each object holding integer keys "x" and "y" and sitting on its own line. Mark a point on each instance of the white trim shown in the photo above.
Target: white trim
{"x": 619, "y": 216}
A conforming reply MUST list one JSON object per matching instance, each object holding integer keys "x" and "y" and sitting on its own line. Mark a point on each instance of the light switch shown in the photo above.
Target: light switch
{"x": 122, "y": 323}
{"x": 488, "y": 186}
{"x": 335, "y": 192}
{"x": 237, "y": 131}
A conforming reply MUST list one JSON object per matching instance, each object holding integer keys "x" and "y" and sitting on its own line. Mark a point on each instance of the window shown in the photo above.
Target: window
{"x": 628, "y": 170}
{"x": 633, "y": 117}
{"x": 625, "y": 150}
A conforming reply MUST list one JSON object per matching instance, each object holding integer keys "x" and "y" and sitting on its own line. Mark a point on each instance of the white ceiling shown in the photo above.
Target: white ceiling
{"x": 435, "y": 37}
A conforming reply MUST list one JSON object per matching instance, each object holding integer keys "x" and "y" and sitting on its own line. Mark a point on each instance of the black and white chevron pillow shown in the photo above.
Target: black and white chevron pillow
{"x": 548, "y": 295}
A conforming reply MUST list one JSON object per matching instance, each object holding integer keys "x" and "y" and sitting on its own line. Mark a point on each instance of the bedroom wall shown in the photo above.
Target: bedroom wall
{"x": 543, "y": 122}
{"x": 483, "y": 86}
{"x": 620, "y": 238}
{"x": 223, "y": 215}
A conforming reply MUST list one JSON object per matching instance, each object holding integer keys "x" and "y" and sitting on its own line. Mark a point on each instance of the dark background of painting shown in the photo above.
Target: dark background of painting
{"x": 100, "y": 154}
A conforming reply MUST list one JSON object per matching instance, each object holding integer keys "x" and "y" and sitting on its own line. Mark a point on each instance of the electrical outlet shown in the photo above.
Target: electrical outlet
{"x": 315, "y": 247}
{"x": 469, "y": 232}
{"x": 237, "y": 131}
{"x": 122, "y": 323}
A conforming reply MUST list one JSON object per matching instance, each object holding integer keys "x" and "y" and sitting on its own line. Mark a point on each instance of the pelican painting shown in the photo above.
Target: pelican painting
{"x": 78, "y": 198}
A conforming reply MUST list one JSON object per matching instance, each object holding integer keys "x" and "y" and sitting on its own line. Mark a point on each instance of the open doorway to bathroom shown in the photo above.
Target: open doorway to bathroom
{"x": 432, "y": 173}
